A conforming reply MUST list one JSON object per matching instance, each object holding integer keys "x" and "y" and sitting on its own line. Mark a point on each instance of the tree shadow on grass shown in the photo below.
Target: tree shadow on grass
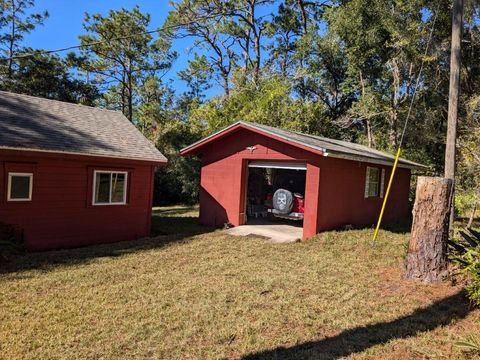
{"x": 175, "y": 211}
{"x": 359, "y": 339}
{"x": 170, "y": 225}
{"x": 401, "y": 226}
{"x": 165, "y": 231}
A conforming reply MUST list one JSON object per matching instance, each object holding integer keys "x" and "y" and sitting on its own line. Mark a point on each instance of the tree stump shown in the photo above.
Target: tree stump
{"x": 427, "y": 251}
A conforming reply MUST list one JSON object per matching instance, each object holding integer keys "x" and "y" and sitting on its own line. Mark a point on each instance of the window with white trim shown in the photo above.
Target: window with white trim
{"x": 19, "y": 186}
{"x": 110, "y": 187}
{"x": 374, "y": 180}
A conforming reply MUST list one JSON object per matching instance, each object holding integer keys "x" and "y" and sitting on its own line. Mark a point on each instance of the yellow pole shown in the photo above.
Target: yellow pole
{"x": 397, "y": 156}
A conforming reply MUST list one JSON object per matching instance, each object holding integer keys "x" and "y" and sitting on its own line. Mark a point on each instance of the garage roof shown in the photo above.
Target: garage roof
{"x": 38, "y": 124}
{"x": 321, "y": 145}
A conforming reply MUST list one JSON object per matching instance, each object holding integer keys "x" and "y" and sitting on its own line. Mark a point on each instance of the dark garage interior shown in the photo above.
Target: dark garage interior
{"x": 275, "y": 193}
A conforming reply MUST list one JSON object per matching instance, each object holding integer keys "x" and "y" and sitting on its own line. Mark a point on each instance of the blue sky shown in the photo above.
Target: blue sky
{"x": 64, "y": 25}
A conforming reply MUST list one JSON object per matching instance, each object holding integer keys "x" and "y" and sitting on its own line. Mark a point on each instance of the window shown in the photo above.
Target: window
{"x": 109, "y": 188}
{"x": 374, "y": 182}
{"x": 19, "y": 187}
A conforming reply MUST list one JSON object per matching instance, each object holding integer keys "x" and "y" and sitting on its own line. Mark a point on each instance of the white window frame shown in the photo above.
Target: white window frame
{"x": 94, "y": 188}
{"x": 9, "y": 186}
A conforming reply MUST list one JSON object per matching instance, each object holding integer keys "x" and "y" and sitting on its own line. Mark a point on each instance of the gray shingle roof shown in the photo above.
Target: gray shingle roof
{"x": 330, "y": 147}
{"x": 33, "y": 123}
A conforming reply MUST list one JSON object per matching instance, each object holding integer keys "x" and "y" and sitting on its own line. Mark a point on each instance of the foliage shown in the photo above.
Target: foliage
{"x": 470, "y": 344}
{"x": 179, "y": 181}
{"x": 11, "y": 241}
{"x": 466, "y": 253}
{"x": 464, "y": 203}
{"x": 16, "y": 21}
{"x": 166, "y": 123}
{"x": 267, "y": 102}
{"x": 48, "y": 76}
{"x": 120, "y": 61}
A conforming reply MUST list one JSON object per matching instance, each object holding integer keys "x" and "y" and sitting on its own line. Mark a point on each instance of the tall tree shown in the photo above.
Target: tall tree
{"x": 205, "y": 22}
{"x": 48, "y": 76}
{"x": 155, "y": 107}
{"x": 296, "y": 27}
{"x": 121, "y": 52}
{"x": 197, "y": 75}
{"x": 247, "y": 26}
{"x": 384, "y": 43}
{"x": 16, "y": 21}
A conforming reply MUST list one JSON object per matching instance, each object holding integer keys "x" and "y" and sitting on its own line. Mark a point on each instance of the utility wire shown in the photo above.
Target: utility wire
{"x": 418, "y": 78}
{"x": 99, "y": 42}
{"x": 25, "y": 55}
{"x": 397, "y": 156}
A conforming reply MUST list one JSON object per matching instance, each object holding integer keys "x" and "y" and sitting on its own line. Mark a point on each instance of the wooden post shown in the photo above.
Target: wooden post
{"x": 455, "y": 63}
{"x": 427, "y": 251}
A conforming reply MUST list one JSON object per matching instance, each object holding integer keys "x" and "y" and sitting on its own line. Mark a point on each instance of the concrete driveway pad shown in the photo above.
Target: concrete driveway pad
{"x": 278, "y": 233}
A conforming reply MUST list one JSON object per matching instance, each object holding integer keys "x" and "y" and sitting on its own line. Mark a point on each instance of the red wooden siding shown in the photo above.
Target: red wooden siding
{"x": 334, "y": 194}
{"x": 342, "y": 199}
{"x": 61, "y": 214}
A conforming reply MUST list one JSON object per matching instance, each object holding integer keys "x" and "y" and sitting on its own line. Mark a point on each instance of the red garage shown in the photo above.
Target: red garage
{"x": 73, "y": 175}
{"x": 326, "y": 183}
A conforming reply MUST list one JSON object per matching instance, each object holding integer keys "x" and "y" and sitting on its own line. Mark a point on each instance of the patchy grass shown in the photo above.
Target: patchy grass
{"x": 218, "y": 296}
{"x": 177, "y": 219}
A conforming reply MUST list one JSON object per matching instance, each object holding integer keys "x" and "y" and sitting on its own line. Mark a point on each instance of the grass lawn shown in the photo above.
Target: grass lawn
{"x": 216, "y": 296}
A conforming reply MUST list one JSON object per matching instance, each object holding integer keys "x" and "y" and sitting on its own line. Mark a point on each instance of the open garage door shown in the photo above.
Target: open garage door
{"x": 271, "y": 182}
{"x": 288, "y": 165}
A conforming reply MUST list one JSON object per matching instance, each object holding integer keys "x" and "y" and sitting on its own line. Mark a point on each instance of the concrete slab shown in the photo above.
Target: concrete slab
{"x": 278, "y": 233}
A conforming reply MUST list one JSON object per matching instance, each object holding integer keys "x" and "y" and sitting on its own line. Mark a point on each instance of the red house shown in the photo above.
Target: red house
{"x": 73, "y": 175}
{"x": 339, "y": 183}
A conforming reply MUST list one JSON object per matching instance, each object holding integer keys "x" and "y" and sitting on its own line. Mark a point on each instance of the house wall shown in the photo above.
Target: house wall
{"x": 334, "y": 194}
{"x": 61, "y": 214}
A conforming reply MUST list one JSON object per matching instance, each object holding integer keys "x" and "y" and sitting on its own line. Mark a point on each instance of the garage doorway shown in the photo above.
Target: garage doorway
{"x": 275, "y": 195}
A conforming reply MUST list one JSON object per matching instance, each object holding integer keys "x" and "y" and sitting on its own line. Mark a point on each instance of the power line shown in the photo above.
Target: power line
{"x": 25, "y": 55}
{"x": 418, "y": 79}
{"x": 99, "y": 42}
{"x": 397, "y": 155}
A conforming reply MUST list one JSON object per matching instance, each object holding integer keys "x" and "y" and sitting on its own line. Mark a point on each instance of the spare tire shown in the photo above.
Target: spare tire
{"x": 283, "y": 201}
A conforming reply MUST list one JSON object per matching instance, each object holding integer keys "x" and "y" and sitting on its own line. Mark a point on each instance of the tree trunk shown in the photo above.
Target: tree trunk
{"x": 226, "y": 84}
{"x": 472, "y": 216}
{"x": 370, "y": 136}
{"x": 453, "y": 96}
{"x": 11, "y": 45}
{"x": 427, "y": 251}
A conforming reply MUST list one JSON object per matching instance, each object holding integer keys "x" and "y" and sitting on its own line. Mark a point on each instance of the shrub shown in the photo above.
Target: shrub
{"x": 470, "y": 344}
{"x": 464, "y": 204}
{"x": 11, "y": 240}
{"x": 466, "y": 253}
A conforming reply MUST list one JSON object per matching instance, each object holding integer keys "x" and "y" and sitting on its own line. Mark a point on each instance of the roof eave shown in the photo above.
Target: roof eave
{"x": 191, "y": 149}
{"x": 365, "y": 159}
{"x": 74, "y": 153}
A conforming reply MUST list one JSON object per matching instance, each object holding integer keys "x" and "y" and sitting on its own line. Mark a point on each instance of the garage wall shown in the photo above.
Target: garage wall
{"x": 334, "y": 187}
{"x": 342, "y": 200}
{"x": 223, "y": 174}
{"x": 61, "y": 214}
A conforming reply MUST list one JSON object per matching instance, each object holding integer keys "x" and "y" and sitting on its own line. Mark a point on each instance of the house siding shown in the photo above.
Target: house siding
{"x": 61, "y": 214}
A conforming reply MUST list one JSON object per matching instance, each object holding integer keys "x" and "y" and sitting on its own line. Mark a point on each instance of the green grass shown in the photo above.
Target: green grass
{"x": 216, "y": 296}
{"x": 177, "y": 219}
